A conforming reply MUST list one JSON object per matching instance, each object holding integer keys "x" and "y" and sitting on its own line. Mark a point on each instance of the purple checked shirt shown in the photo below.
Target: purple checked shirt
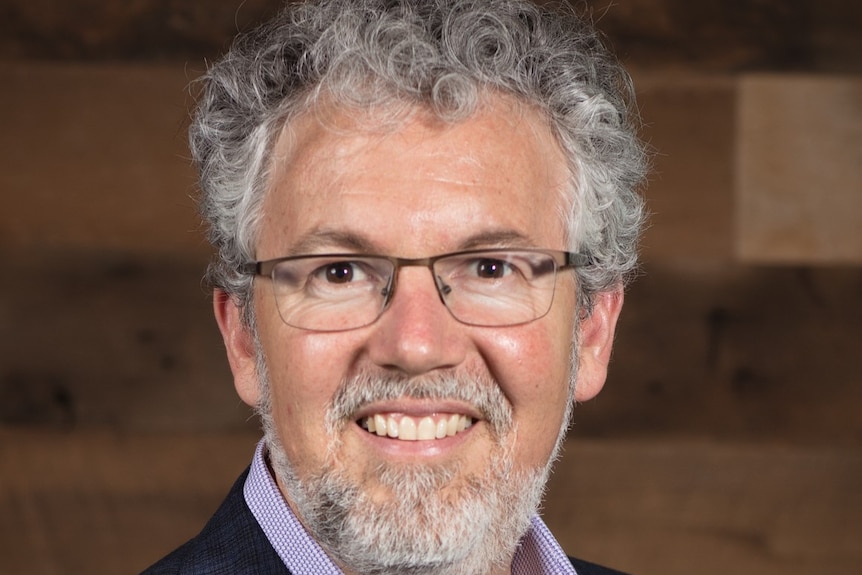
{"x": 538, "y": 554}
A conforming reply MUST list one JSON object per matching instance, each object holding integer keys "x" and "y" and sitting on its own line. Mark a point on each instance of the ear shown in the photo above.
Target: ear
{"x": 596, "y": 333}
{"x": 239, "y": 344}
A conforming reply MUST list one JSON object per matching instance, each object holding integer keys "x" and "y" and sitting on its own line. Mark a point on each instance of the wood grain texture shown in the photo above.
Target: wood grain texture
{"x": 727, "y": 437}
{"x": 95, "y": 157}
{"x": 103, "y": 319}
{"x": 711, "y": 35}
{"x": 89, "y": 503}
{"x": 799, "y": 169}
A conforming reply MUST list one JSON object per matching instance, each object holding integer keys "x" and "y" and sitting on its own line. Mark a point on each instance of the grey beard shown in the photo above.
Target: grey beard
{"x": 434, "y": 520}
{"x": 427, "y": 524}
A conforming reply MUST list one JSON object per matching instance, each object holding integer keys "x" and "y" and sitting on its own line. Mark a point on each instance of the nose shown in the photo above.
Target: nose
{"x": 416, "y": 334}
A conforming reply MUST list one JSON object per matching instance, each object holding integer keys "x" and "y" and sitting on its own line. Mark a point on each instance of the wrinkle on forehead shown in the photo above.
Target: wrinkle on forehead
{"x": 311, "y": 159}
{"x": 330, "y": 118}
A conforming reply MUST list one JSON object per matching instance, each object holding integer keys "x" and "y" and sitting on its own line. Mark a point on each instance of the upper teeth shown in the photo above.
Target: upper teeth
{"x": 408, "y": 428}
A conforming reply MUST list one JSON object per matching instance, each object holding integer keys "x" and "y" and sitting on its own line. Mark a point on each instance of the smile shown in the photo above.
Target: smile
{"x": 407, "y": 428}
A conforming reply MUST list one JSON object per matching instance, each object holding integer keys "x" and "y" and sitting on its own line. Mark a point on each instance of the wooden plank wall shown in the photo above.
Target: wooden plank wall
{"x": 727, "y": 438}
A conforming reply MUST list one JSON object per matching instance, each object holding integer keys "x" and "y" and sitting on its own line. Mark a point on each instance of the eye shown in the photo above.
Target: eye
{"x": 492, "y": 268}
{"x": 342, "y": 272}
{"x": 339, "y": 273}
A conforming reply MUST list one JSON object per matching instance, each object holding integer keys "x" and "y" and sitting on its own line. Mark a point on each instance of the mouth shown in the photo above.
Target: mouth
{"x": 411, "y": 428}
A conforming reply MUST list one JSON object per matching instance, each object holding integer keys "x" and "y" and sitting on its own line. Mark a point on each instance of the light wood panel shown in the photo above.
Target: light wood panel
{"x": 799, "y": 169}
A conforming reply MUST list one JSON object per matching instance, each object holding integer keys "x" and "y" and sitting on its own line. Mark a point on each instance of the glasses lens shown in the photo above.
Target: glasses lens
{"x": 497, "y": 288}
{"x": 331, "y": 293}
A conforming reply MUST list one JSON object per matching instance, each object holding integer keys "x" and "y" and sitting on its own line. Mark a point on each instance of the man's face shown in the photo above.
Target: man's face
{"x": 417, "y": 190}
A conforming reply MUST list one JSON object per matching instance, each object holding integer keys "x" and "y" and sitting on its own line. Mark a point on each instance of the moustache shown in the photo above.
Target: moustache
{"x": 480, "y": 390}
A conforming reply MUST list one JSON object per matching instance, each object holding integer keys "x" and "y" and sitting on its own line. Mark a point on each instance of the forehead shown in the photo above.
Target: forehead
{"x": 414, "y": 183}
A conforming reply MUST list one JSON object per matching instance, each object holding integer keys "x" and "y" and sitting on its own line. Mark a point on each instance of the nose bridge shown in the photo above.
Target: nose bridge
{"x": 400, "y": 263}
{"x": 416, "y": 333}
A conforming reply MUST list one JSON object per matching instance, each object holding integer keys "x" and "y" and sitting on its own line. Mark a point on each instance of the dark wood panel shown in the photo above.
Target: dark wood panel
{"x": 108, "y": 30}
{"x": 118, "y": 340}
{"x": 689, "y": 126}
{"x": 811, "y": 35}
{"x": 716, "y": 35}
{"x": 95, "y": 155}
{"x": 732, "y": 352}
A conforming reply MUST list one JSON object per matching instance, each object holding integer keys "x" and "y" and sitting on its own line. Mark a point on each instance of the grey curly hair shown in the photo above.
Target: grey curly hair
{"x": 442, "y": 56}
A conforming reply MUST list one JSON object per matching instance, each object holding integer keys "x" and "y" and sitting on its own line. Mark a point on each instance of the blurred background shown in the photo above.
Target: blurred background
{"x": 728, "y": 437}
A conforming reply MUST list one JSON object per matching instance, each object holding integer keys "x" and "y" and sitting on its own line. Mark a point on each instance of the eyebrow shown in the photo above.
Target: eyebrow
{"x": 320, "y": 240}
{"x": 503, "y": 238}
{"x": 327, "y": 240}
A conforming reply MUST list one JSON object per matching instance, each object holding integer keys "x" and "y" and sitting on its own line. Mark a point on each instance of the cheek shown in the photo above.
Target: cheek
{"x": 530, "y": 359}
{"x": 305, "y": 371}
{"x": 532, "y": 366}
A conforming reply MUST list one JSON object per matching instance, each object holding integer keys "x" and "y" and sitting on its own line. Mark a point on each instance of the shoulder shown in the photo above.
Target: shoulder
{"x": 586, "y": 568}
{"x": 232, "y": 543}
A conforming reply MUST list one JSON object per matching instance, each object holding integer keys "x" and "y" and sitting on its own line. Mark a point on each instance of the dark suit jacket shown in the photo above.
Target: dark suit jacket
{"x": 232, "y": 543}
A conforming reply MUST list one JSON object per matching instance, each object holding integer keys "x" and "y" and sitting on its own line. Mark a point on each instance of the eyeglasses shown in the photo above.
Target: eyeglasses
{"x": 493, "y": 287}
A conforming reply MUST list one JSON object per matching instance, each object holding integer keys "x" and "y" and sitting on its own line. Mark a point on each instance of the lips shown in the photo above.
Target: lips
{"x": 410, "y": 428}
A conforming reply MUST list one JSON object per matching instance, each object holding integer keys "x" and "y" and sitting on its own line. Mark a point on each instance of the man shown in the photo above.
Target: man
{"x": 425, "y": 213}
